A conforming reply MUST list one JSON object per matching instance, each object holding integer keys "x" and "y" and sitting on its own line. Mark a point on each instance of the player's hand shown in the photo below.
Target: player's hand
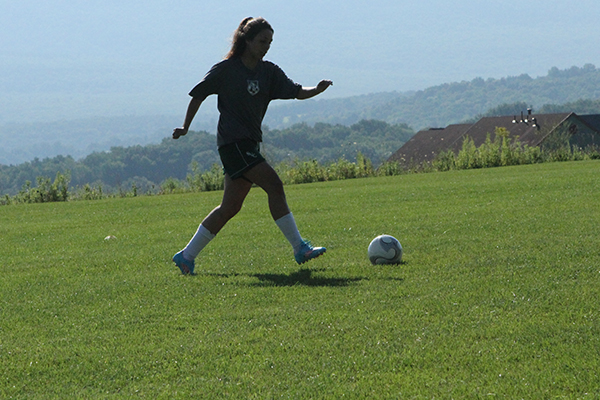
{"x": 178, "y": 132}
{"x": 323, "y": 85}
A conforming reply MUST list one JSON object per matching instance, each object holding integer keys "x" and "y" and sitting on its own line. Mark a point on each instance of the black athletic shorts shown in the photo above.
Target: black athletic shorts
{"x": 239, "y": 157}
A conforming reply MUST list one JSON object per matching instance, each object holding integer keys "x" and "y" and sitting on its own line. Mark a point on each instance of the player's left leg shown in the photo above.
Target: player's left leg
{"x": 266, "y": 177}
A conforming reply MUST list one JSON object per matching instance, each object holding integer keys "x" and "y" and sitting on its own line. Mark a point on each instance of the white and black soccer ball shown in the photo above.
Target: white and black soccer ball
{"x": 385, "y": 249}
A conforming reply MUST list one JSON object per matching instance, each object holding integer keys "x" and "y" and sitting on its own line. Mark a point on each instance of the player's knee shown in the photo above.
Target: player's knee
{"x": 275, "y": 187}
{"x": 229, "y": 210}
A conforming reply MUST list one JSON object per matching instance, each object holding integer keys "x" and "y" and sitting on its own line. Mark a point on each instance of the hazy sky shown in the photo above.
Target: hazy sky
{"x": 71, "y": 59}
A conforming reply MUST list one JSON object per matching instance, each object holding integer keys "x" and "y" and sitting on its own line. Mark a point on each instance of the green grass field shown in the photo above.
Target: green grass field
{"x": 497, "y": 296}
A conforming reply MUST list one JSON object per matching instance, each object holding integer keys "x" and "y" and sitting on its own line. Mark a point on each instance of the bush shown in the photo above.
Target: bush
{"x": 214, "y": 179}
{"x": 467, "y": 158}
{"x": 445, "y": 161}
{"x": 46, "y": 191}
{"x": 364, "y": 166}
{"x": 504, "y": 151}
{"x": 306, "y": 172}
{"x": 489, "y": 152}
{"x": 342, "y": 169}
{"x": 390, "y": 168}
{"x": 171, "y": 185}
{"x": 88, "y": 192}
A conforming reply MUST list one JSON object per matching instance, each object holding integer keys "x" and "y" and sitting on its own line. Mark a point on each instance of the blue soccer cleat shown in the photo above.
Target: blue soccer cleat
{"x": 307, "y": 252}
{"x": 186, "y": 266}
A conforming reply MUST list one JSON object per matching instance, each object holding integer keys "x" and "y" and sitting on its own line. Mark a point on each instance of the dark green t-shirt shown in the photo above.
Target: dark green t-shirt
{"x": 243, "y": 96}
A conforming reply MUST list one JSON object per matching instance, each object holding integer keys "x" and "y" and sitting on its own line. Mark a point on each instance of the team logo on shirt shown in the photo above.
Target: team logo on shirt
{"x": 253, "y": 87}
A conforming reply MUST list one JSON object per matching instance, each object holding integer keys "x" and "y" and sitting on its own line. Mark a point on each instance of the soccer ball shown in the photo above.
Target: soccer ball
{"x": 385, "y": 249}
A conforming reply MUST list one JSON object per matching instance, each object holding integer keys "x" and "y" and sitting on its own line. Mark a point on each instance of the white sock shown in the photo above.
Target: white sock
{"x": 201, "y": 238}
{"x": 287, "y": 225}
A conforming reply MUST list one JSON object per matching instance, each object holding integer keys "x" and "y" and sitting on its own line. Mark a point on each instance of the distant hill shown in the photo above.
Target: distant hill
{"x": 449, "y": 103}
{"x": 78, "y": 138}
{"x": 436, "y": 106}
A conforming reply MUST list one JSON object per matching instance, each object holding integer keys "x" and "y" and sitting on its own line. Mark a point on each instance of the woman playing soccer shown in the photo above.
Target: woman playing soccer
{"x": 245, "y": 84}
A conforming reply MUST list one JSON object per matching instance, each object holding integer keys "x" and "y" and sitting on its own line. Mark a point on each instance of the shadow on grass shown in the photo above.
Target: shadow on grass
{"x": 302, "y": 277}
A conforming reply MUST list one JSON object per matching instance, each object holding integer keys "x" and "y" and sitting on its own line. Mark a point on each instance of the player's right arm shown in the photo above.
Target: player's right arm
{"x": 192, "y": 109}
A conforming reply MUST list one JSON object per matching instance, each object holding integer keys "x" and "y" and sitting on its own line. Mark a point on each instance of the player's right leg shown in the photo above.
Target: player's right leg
{"x": 234, "y": 194}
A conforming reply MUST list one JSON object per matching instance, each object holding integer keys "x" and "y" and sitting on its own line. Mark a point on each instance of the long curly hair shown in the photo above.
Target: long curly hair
{"x": 247, "y": 30}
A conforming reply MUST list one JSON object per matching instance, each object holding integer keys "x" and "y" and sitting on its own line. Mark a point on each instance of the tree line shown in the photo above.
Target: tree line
{"x": 150, "y": 165}
{"x": 502, "y": 151}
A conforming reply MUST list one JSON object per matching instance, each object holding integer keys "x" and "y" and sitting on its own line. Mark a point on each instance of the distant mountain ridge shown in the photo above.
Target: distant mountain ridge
{"x": 436, "y": 106}
{"x": 449, "y": 103}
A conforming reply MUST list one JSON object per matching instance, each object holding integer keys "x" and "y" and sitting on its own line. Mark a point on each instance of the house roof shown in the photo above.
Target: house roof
{"x": 593, "y": 121}
{"x": 425, "y": 145}
{"x": 529, "y": 131}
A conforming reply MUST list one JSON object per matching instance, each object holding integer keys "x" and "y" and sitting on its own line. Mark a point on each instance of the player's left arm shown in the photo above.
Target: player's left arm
{"x": 307, "y": 93}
